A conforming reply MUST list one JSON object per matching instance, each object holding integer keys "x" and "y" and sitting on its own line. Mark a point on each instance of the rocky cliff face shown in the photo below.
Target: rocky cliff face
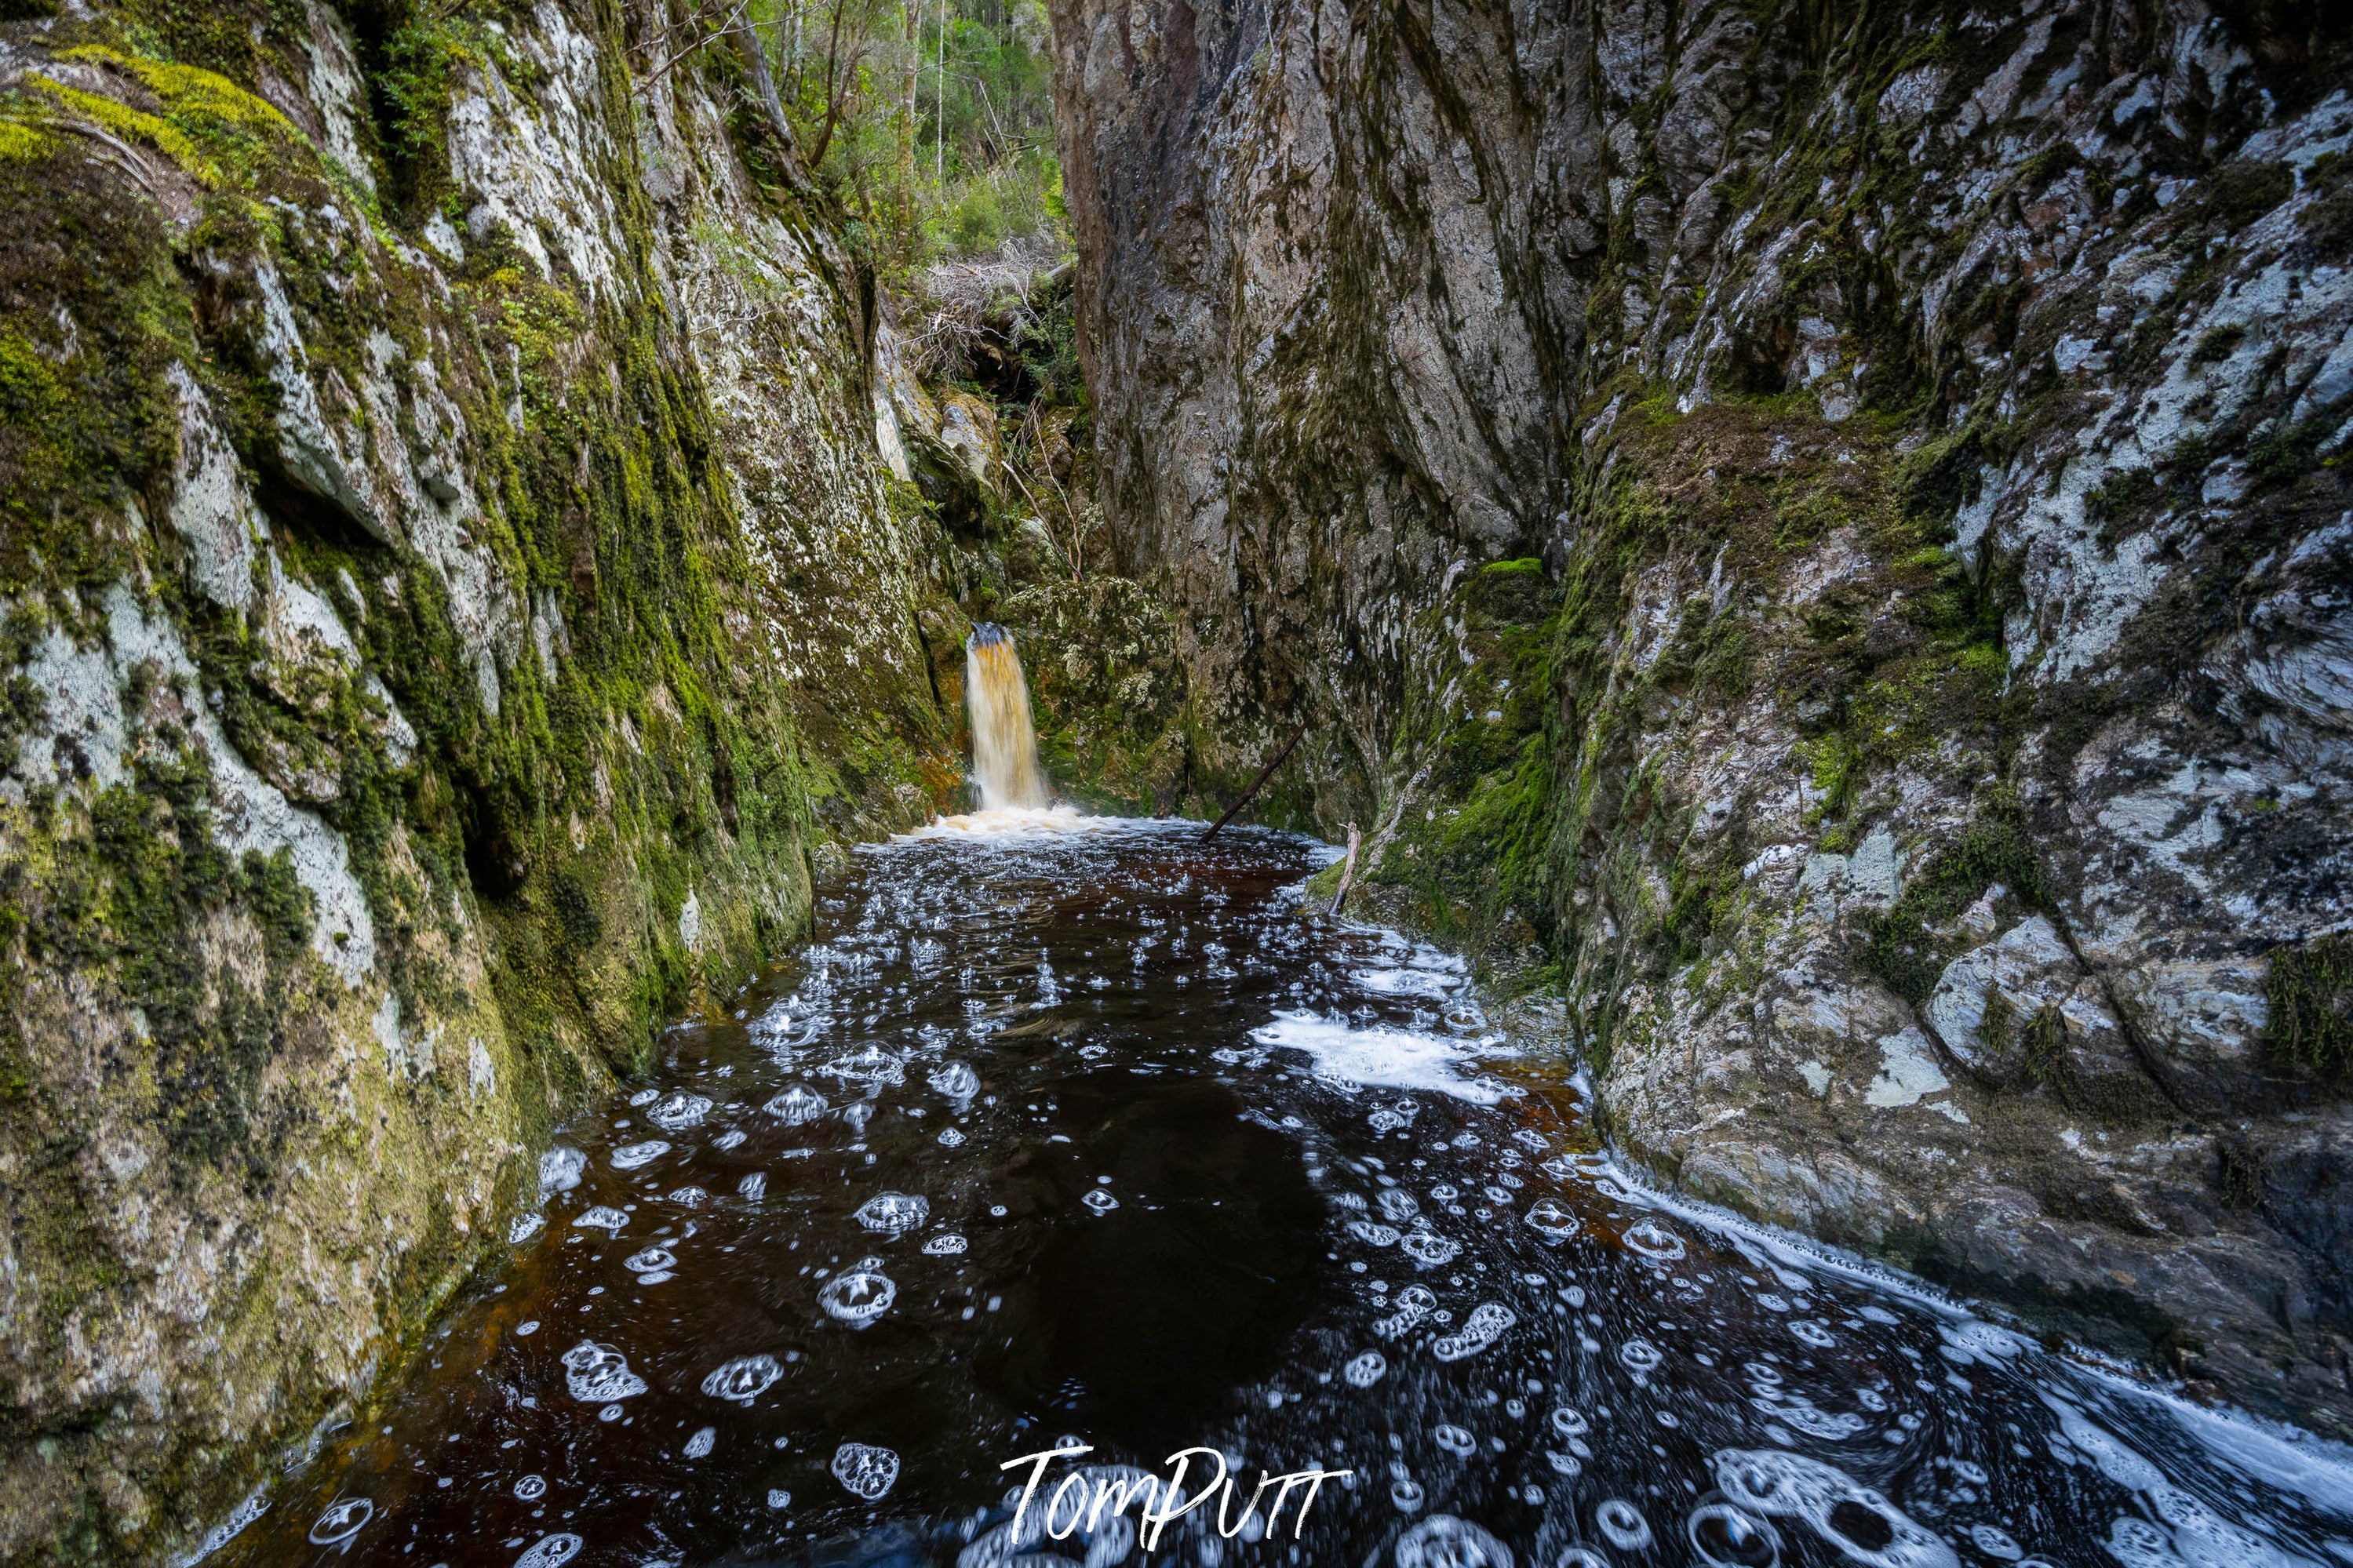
{"x": 454, "y": 588}
{"x": 1823, "y": 528}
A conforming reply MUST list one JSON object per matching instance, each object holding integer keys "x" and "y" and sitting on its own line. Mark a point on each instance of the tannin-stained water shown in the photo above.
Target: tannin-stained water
{"x": 1096, "y": 1135}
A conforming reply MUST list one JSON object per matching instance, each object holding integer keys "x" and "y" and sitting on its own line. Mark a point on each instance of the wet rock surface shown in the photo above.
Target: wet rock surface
{"x": 1827, "y": 528}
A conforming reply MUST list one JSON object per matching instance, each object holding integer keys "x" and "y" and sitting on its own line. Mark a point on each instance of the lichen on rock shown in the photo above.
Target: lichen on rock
{"x": 1920, "y": 762}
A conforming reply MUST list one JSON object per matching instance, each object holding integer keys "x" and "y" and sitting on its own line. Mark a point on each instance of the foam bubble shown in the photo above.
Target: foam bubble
{"x": 1641, "y": 1356}
{"x": 945, "y": 1246}
{"x": 894, "y": 1213}
{"x": 680, "y": 1111}
{"x": 1397, "y": 1204}
{"x": 1100, "y": 1200}
{"x": 734, "y": 1138}
{"x": 1654, "y": 1240}
{"x": 1570, "y": 1423}
{"x": 752, "y": 1187}
{"x": 1443, "y": 1540}
{"x": 858, "y": 1295}
{"x": 1455, "y": 1440}
{"x": 599, "y": 1374}
{"x": 1789, "y": 1486}
{"x": 644, "y": 1097}
{"x": 524, "y": 1227}
{"x": 1549, "y": 1220}
{"x": 1813, "y": 1333}
{"x": 1428, "y": 1249}
{"x": 950, "y": 1137}
{"x": 629, "y": 1156}
{"x": 1622, "y": 1525}
{"x": 743, "y": 1379}
{"x": 796, "y": 1105}
{"x": 699, "y": 1446}
{"x": 1731, "y": 1537}
{"x": 688, "y": 1198}
{"x": 343, "y": 1519}
{"x": 559, "y": 1170}
{"x": 603, "y": 1217}
{"x": 1406, "y": 1494}
{"x": 1413, "y": 1304}
{"x": 864, "y": 1470}
{"x": 651, "y": 1261}
{"x": 1487, "y": 1323}
{"x": 1365, "y": 1370}
{"x": 531, "y": 1487}
{"x": 1365, "y": 1231}
{"x": 955, "y": 1080}
{"x": 549, "y": 1551}
{"x": 871, "y": 1066}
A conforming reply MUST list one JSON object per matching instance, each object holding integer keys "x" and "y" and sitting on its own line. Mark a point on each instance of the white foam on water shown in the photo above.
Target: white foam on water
{"x": 743, "y": 1379}
{"x": 699, "y": 1446}
{"x": 858, "y": 1295}
{"x": 603, "y": 1217}
{"x": 1428, "y": 1249}
{"x": 644, "y": 1097}
{"x": 955, "y": 1080}
{"x": 1365, "y": 1370}
{"x": 1641, "y": 1356}
{"x": 559, "y": 1170}
{"x": 629, "y": 1156}
{"x": 1372, "y": 1234}
{"x": 1622, "y": 1524}
{"x": 865, "y": 1471}
{"x": 946, "y": 1246}
{"x": 1443, "y": 1540}
{"x": 524, "y": 1226}
{"x": 599, "y": 1374}
{"x": 1790, "y": 1486}
{"x": 1654, "y": 1240}
{"x": 688, "y": 1198}
{"x": 1488, "y": 1323}
{"x": 871, "y": 1065}
{"x": 1551, "y": 1221}
{"x": 253, "y": 1507}
{"x": 1099, "y": 1201}
{"x": 652, "y": 1261}
{"x": 752, "y": 1187}
{"x": 734, "y": 1138}
{"x": 894, "y": 1213}
{"x": 1397, "y": 1204}
{"x": 680, "y": 1111}
{"x": 343, "y": 1519}
{"x": 796, "y": 1105}
{"x": 950, "y": 1137}
{"x": 549, "y": 1551}
{"x": 1432, "y": 986}
{"x": 531, "y": 1487}
{"x": 1413, "y": 1304}
{"x": 1023, "y": 822}
{"x": 1455, "y": 1440}
{"x": 1392, "y": 1058}
{"x": 1570, "y": 1423}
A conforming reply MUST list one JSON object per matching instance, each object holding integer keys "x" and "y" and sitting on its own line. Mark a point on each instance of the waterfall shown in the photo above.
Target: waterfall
{"x": 1004, "y": 746}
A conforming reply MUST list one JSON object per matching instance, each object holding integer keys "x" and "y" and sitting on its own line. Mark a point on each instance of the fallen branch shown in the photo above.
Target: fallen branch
{"x": 1347, "y": 872}
{"x": 1258, "y": 783}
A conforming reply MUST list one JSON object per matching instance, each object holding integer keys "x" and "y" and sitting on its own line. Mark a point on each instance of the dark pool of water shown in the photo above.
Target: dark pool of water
{"x": 1096, "y": 1138}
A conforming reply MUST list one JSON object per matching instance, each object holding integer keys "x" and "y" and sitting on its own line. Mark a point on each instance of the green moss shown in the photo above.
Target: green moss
{"x": 2310, "y": 991}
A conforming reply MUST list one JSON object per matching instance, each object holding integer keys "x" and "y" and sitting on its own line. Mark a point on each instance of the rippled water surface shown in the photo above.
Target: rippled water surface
{"x": 1093, "y": 1137}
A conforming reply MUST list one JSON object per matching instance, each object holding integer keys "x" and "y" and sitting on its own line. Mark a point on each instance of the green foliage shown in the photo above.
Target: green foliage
{"x": 2311, "y": 995}
{"x": 1897, "y": 945}
{"x": 932, "y": 124}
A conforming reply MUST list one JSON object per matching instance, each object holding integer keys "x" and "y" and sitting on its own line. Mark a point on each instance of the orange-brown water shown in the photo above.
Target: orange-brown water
{"x": 1099, "y": 1134}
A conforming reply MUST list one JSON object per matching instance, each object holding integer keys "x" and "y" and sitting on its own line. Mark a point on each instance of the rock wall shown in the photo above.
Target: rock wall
{"x": 453, "y": 591}
{"x": 1818, "y": 532}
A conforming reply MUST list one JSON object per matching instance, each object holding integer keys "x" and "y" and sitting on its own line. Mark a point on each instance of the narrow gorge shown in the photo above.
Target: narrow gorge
{"x": 1810, "y": 541}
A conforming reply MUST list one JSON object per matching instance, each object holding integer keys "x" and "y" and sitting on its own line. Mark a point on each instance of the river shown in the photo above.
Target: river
{"x": 1086, "y": 1133}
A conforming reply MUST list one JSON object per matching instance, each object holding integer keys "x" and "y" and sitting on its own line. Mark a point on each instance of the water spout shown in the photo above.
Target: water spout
{"x": 1004, "y": 745}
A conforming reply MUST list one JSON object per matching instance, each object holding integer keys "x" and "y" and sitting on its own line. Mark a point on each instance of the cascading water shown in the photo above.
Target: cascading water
{"x": 1004, "y": 744}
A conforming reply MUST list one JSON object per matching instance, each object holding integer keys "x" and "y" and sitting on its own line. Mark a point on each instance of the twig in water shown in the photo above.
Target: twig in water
{"x": 1258, "y": 783}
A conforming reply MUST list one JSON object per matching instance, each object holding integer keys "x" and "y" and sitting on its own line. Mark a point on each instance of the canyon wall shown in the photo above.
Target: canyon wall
{"x": 1817, "y": 534}
{"x": 462, "y": 572}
